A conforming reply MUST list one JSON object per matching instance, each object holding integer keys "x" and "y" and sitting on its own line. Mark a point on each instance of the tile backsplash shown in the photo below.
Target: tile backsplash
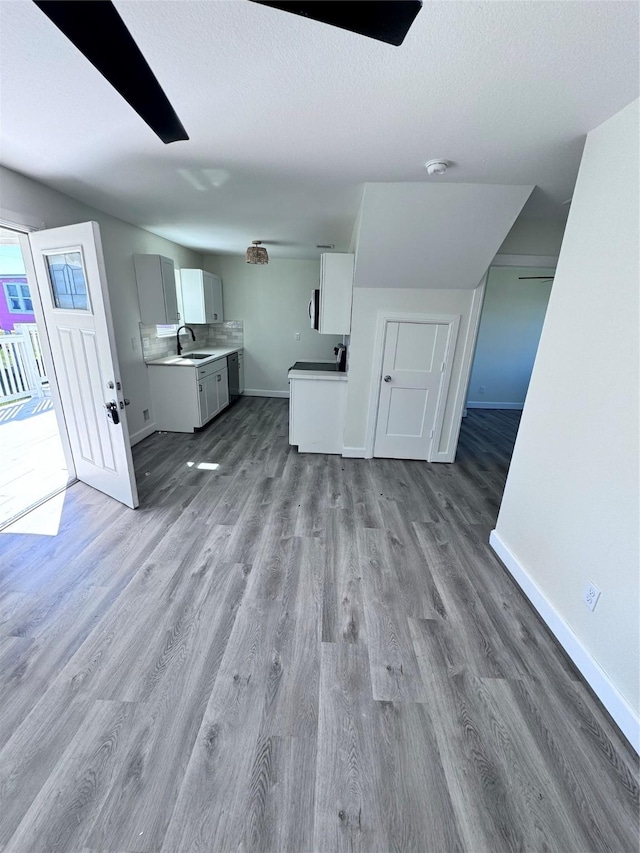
{"x": 229, "y": 334}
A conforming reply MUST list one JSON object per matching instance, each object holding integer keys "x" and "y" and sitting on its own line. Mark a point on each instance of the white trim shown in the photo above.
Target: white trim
{"x": 19, "y": 221}
{"x": 468, "y": 354}
{"x": 140, "y": 434}
{"x": 353, "y": 452}
{"x": 606, "y": 691}
{"x": 385, "y": 317}
{"x": 474, "y": 404}
{"x": 543, "y": 261}
{"x": 255, "y": 392}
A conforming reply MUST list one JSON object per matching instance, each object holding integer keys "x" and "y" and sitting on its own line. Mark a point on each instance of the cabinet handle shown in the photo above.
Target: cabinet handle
{"x": 219, "y": 377}
{"x": 215, "y": 316}
{"x": 200, "y": 387}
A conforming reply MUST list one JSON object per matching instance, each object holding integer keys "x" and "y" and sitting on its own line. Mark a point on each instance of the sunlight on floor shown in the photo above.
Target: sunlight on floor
{"x": 32, "y": 463}
{"x": 41, "y": 521}
{"x": 204, "y": 466}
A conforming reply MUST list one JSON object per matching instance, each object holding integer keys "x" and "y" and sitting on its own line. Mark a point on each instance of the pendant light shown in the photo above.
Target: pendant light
{"x": 257, "y": 254}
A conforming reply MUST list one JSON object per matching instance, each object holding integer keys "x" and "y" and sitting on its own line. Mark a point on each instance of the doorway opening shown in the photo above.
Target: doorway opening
{"x": 33, "y": 466}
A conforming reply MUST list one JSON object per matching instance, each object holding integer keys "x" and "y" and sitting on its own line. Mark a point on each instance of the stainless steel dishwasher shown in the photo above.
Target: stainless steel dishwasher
{"x": 234, "y": 377}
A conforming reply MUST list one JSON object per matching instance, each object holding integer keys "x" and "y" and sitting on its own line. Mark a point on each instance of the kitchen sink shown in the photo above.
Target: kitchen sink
{"x": 197, "y": 355}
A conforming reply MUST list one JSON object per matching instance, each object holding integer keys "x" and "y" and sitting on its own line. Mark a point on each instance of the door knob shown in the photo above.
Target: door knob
{"x": 387, "y": 378}
{"x": 112, "y": 411}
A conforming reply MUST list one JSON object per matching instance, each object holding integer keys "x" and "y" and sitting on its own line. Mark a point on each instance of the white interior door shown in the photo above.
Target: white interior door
{"x": 69, "y": 270}
{"x": 411, "y": 388}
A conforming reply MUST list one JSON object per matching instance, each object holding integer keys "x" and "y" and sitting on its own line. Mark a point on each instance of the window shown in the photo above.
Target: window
{"x": 18, "y": 297}
{"x": 165, "y": 331}
{"x": 68, "y": 283}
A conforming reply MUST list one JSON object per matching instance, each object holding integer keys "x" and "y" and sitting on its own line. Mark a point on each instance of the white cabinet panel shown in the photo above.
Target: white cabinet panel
{"x": 336, "y": 290}
{"x": 185, "y": 398}
{"x": 156, "y": 281}
{"x": 201, "y": 296}
{"x": 317, "y": 410}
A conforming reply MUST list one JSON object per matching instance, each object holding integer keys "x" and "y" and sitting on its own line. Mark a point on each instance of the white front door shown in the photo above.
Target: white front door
{"x": 414, "y": 371}
{"x": 69, "y": 270}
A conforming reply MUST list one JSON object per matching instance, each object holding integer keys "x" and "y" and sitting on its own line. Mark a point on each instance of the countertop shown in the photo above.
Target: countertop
{"x": 331, "y": 375}
{"x": 184, "y": 360}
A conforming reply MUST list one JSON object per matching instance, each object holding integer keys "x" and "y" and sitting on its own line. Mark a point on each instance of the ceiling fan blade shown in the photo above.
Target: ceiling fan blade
{"x": 384, "y": 20}
{"x": 100, "y": 34}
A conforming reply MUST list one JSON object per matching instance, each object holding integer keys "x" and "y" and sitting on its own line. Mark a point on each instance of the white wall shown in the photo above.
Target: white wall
{"x": 367, "y": 302}
{"x": 437, "y": 235}
{"x": 510, "y": 325}
{"x": 25, "y": 200}
{"x": 272, "y": 301}
{"x": 533, "y": 237}
{"x": 570, "y": 510}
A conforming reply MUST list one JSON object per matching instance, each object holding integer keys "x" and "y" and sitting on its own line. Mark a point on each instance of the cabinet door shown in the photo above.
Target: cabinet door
{"x": 155, "y": 280}
{"x": 336, "y": 288}
{"x": 218, "y": 316}
{"x": 167, "y": 273}
{"x": 241, "y": 373}
{"x": 222, "y": 380}
{"x": 210, "y": 385}
{"x": 208, "y": 297}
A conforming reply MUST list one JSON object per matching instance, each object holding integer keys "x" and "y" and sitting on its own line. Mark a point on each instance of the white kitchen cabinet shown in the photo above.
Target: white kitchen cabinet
{"x": 156, "y": 281}
{"x": 317, "y": 410}
{"x": 201, "y": 294}
{"x": 184, "y": 398}
{"x": 336, "y": 291}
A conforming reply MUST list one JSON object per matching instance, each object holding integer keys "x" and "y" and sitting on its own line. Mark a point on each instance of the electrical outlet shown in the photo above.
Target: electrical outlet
{"x": 145, "y": 414}
{"x": 297, "y": 336}
{"x": 482, "y": 389}
{"x": 591, "y": 595}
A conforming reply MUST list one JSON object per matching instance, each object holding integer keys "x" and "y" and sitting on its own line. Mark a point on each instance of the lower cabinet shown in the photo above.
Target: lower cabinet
{"x": 213, "y": 394}
{"x": 317, "y": 410}
{"x": 185, "y": 398}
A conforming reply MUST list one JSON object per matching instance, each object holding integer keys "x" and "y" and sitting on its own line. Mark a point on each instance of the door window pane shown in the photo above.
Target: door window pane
{"x": 68, "y": 283}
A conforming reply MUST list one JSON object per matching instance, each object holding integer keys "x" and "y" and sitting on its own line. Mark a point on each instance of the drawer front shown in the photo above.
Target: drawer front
{"x": 212, "y": 367}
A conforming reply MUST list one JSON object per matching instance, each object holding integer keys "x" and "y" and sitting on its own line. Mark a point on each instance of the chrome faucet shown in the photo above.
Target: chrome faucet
{"x": 178, "y": 344}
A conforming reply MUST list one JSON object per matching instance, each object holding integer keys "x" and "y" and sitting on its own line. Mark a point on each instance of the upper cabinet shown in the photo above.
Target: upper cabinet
{"x": 336, "y": 288}
{"x": 201, "y": 294}
{"x": 155, "y": 277}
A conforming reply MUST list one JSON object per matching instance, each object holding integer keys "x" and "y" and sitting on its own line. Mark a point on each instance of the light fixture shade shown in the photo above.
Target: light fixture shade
{"x": 256, "y": 254}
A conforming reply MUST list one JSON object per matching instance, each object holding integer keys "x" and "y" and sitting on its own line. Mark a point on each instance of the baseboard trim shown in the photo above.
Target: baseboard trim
{"x": 476, "y": 404}
{"x": 145, "y": 432}
{"x": 615, "y": 703}
{"x": 256, "y": 392}
{"x": 353, "y": 452}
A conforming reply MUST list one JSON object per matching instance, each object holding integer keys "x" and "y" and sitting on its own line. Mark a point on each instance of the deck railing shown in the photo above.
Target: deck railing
{"x": 22, "y": 371}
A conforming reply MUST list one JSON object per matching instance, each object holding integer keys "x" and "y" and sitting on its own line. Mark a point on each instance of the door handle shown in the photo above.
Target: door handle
{"x": 387, "y": 378}
{"x": 112, "y": 411}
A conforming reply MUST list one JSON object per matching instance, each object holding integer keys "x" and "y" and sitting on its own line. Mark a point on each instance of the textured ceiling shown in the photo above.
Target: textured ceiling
{"x": 288, "y": 117}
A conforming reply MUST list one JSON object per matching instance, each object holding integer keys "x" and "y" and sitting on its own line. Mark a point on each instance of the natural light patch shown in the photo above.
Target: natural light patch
{"x": 204, "y": 466}
{"x": 166, "y": 331}
{"x": 44, "y": 520}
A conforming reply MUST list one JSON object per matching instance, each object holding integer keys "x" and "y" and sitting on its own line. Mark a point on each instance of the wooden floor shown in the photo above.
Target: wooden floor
{"x": 294, "y": 653}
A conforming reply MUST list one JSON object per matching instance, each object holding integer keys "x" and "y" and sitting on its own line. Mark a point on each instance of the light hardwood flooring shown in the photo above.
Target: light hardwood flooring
{"x": 294, "y": 653}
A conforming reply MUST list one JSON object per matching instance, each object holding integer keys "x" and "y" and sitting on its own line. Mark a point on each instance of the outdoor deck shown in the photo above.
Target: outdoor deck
{"x": 32, "y": 463}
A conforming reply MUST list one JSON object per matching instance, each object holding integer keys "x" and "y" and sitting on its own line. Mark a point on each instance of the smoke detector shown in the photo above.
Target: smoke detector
{"x": 436, "y": 167}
